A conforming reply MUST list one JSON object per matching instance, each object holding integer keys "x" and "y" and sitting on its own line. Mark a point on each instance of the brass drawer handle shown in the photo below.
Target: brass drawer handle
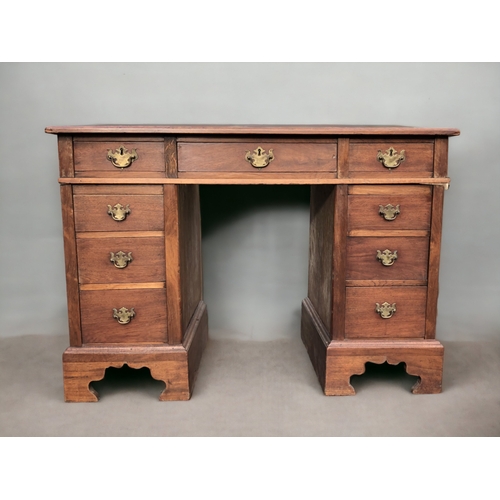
{"x": 259, "y": 158}
{"x": 121, "y": 260}
{"x": 385, "y": 310}
{"x": 389, "y": 212}
{"x": 391, "y": 158}
{"x": 123, "y": 315}
{"x": 387, "y": 258}
{"x": 118, "y": 212}
{"x": 122, "y": 157}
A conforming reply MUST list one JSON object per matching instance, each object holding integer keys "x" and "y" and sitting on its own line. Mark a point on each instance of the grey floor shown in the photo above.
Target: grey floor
{"x": 249, "y": 389}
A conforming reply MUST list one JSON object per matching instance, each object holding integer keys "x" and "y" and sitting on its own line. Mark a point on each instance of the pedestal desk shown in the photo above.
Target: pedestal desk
{"x": 132, "y": 241}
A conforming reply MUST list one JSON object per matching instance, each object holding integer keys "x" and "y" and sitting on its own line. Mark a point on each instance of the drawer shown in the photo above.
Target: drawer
{"x": 231, "y": 157}
{"x": 387, "y": 258}
{"x": 389, "y": 207}
{"x": 134, "y": 260}
{"x": 394, "y": 158}
{"x": 117, "y": 208}
{"x": 149, "y": 323}
{"x": 363, "y": 321}
{"x": 118, "y": 157}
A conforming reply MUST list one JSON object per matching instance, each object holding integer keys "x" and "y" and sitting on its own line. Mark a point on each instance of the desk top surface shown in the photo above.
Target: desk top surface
{"x": 337, "y": 130}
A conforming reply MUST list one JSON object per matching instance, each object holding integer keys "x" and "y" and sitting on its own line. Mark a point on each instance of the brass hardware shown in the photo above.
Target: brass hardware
{"x": 123, "y": 315}
{"x": 385, "y": 310}
{"x": 121, "y": 259}
{"x": 118, "y": 212}
{"x": 391, "y": 158}
{"x": 122, "y": 157}
{"x": 259, "y": 158}
{"x": 389, "y": 212}
{"x": 387, "y": 258}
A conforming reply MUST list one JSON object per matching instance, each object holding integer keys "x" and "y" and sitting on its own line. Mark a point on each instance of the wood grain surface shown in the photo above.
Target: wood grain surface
{"x": 230, "y": 157}
{"x": 411, "y": 262}
{"x": 95, "y": 266}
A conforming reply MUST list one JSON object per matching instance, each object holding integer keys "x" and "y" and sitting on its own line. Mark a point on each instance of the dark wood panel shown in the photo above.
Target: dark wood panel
{"x": 434, "y": 258}
{"x": 362, "y": 321}
{"x": 441, "y": 157}
{"x": 173, "y": 264}
{"x": 65, "y": 150}
{"x": 339, "y": 262}
{"x": 171, "y": 156}
{"x": 415, "y": 211}
{"x": 92, "y": 155}
{"x": 190, "y": 251}
{"x": 230, "y": 157}
{"x": 252, "y": 129}
{"x": 120, "y": 189}
{"x": 148, "y": 325}
{"x": 419, "y": 157}
{"x": 411, "y": 262}
{"x": 72, "y": 291}
{"x": 95, "y": 266}
{"x": 321, "y": 252}
{"x": 146, "y": 213}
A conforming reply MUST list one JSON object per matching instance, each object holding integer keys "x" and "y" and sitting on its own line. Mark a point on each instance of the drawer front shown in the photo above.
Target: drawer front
{"x": 231, "y": 157}
{"x": 149, "y": 324}
{"x": 363, "y": 321}
{"x": 128, "y": 212}
{"x": 119, "y": 158}
{"x": 387, "y": 208}
{"x": 121, "y": 260}
{"x": 387, "y": 258}
{"x": 392, "y": 158}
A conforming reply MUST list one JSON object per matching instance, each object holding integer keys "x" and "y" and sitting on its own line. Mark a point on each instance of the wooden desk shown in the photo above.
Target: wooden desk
{"x": 132, "y": 240}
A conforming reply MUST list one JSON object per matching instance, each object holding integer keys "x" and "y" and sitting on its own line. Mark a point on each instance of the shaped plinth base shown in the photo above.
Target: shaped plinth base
{"x": 176, "y": 365}
{"x": 335, "y": 362}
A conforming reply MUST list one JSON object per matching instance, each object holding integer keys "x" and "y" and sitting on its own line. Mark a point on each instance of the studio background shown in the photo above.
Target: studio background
{"x": 255, "y": 240}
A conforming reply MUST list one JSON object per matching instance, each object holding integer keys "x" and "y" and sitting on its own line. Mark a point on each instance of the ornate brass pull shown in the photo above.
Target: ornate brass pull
{"x": 386, "y": 258}
{"x": 391, "y": 158}
{"x": 122, "y": 157}
{"x": 259, "y": 158}
{"x": 123, "y": 315}
{"x": 121, "y": 259}
{"x": 118, "y": 212}
{"x": 389, "y": 212}
{"x": 385, "y": 310}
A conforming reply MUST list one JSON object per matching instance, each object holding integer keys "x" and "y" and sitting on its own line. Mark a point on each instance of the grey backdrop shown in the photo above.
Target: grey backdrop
{"x": 255, "y": 249}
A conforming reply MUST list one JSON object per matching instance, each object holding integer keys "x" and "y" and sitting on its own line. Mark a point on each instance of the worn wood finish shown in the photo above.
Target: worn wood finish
{"x": 434, "y": 253}
{"x": 72, "y": 291}
{"x": 120, "y": 189}
{"x": 340, "y": 327}
{"x": 190, "y": 251}
{"x": 339, "y": 262}
{"x": 411, "y": 262}
{"x": 92, "y": 156}
{"x": 146, "y": 212}
{"x": 173, "y": 264}
{"x": 362, "y": 321}
{"x": 423, "y": 359}
{"x": 316, "y": 338}
{"x": 148, "y": 325}
{"x": 171, "y": 156}
{"x": 343, "y": 162}
{"x": 95, "y": 266}
{"x": 177, "y": 366}
{"x": 415, "y": 211}
{"x": 65, "y": 150}
{"x": 231, "y": 178}
{"x": 441, "y": 157}
{"x": 321, "y": 252}
{"x": 254, "y": 130}
{"x": 419, "y": 157}
{"x": 230, "y": 157}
